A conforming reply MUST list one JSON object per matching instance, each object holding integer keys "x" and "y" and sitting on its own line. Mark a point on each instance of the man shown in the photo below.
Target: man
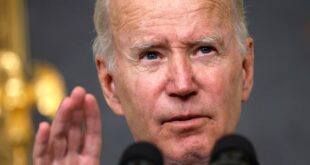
{"x": 177, "y": 70}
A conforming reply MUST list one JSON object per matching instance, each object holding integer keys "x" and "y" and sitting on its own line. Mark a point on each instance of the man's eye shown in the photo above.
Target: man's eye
{"x": 151, "y": 55}
{"x": 205, "y": 49}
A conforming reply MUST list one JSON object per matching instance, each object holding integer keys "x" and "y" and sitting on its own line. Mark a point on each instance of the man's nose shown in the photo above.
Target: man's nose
{"x": 181, "y": 79}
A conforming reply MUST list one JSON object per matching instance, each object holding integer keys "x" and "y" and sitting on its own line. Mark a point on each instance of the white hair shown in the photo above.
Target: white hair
{"x": 103, "y": 43}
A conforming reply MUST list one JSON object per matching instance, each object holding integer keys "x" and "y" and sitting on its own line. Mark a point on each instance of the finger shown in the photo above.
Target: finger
{"x": 74, "y": 137}
{"x": 41, "y": 144}
{"x": 65, "y": 113}
{"x": 92, "y": 143}
{"x": 62, "y": 122}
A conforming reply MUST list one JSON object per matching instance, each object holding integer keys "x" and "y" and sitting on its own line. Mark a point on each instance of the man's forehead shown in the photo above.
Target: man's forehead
{"x": 151, "y": 4}
{"x": 124, "y": 11}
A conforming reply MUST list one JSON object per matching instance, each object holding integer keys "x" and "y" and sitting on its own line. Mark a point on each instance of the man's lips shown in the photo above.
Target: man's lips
{"x": 184, "y": 118}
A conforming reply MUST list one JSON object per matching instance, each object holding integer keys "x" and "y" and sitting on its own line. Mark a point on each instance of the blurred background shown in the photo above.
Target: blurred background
{"x": 275, "y": 118}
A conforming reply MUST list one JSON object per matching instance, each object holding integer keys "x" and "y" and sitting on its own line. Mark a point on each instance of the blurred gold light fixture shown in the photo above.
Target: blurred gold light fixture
{"x": 21, "y": 86}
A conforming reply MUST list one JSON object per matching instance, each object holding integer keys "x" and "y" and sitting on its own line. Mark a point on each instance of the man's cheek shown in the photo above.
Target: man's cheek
{"x": 140, "y": 126}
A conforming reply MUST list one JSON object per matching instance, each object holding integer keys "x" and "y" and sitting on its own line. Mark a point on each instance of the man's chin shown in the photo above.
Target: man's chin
{"x": 190, "y": 159}
{"x": 187, "y": 156}
{"x": 188, "y": 147}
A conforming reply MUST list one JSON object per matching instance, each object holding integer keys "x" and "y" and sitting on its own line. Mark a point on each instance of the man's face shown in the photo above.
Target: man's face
{"x": 179, "y": 77}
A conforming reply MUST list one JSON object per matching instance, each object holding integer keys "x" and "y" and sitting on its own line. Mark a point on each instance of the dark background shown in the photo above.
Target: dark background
{"x": 276, "y": 116}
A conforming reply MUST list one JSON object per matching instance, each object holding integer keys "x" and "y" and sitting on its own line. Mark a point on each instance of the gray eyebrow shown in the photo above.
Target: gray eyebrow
{"x": 142, "y": 46}
{"x": 209, "y": 40}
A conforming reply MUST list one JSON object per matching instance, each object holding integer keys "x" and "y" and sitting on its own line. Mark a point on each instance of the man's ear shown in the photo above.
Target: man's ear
{"x": 108, "y": 87}
{"x": 248, "y": 70}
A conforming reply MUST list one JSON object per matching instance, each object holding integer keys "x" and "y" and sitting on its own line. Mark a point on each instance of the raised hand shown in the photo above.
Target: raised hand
{"x": 74, "y": 137}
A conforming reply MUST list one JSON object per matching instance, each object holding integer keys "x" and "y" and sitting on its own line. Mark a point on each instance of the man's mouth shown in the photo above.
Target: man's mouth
{"x": 185, "y": 120}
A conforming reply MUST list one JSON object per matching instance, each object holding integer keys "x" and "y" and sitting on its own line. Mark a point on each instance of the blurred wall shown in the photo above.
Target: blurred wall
{"x": 276, "y": 116}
